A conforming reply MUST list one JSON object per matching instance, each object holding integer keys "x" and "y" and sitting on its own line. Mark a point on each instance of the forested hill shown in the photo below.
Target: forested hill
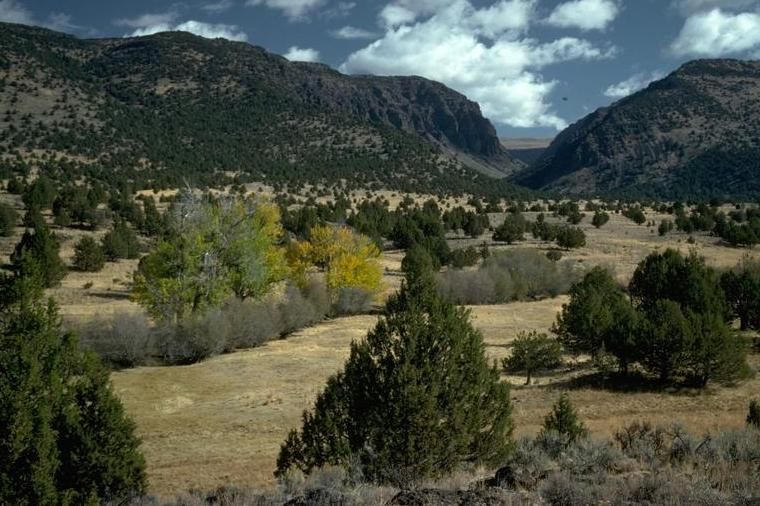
{"x": 174, "y": 106}
{"x": 694, "y": 134}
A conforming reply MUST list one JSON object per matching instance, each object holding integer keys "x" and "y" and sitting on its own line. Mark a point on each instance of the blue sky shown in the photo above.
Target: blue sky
{"x": 533, "y": 65}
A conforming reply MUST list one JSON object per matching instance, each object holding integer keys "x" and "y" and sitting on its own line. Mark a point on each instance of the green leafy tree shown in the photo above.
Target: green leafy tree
{"x": 37, "y": 254}
{"x": 532, "y": 352}
{"x": 563, "y": 419}
{"x": 416, "y": 398}
{"x": 88, "y": 255}
{"x": 215, "y": 250}
{"x": 64, "y": 437}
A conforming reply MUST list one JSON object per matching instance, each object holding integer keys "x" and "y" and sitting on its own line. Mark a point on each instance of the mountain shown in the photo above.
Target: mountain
{"x": 174, "y": 106}
{"x": 695, "y": 133}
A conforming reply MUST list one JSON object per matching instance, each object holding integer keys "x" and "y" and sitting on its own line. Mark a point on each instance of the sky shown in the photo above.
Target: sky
{"x": 534, "y": 66}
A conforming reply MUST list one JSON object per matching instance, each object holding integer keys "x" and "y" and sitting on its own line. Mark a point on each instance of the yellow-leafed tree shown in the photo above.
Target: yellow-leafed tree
{"x": 348, "y": 259}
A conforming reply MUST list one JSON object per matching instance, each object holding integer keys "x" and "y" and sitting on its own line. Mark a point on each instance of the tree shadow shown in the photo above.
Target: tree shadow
{"x": 634, "y": 382}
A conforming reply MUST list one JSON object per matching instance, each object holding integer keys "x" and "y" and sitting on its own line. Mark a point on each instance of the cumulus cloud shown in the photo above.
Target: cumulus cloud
{"x": 13, "y": 12}
{"x": 483, "y": 53}
{"x": 631, "y": 85}
{"x": 717, "y": 33}
{"x": 688, "y": 7}
{"x": 294, "y": 9}
{"x": 296, "y": 53}
{"x": 584, "y": 14}
{"x": 351, "y": 32}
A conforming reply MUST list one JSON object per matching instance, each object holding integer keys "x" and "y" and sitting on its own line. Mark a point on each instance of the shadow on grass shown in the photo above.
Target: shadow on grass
{"x": 634, "y": 382}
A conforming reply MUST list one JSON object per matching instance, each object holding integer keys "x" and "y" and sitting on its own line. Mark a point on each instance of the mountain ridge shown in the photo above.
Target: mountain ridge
{"x": 694, "y": 133}
{"x": 175, "y": 102}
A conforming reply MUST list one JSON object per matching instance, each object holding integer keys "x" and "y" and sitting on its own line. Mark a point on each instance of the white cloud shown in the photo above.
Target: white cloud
{"x": 631, "y": 85}
{"x": 217, "y": 7}
{"x": 207, "y": 30}
{"x": 482, "y": 53}
{"x": 293, "y": 9}
{"x": 13, "y": 12}
{"x": 406, "y": 11}
{"x": 688, "y": 7}
{"x": 351, "y": 32}
{"x": 61, "y": 22}
{"x": 717, "y": 33}
{"x": 296, "y": 53}
{"x": 584, "y": 14}
{"x": 146, "y": 20}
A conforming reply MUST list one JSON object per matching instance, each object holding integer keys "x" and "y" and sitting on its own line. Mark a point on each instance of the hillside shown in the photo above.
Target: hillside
{"x": 172, "y": 107}
{"x": 695, "y": 133}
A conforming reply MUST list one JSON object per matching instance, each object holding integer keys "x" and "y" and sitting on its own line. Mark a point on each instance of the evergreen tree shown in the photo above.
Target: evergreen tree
{"x": 511, "y": 230}
{"x": 121, "y": 242}
{"x": 600, "y": 219}
{"x": 595, "y": 305}
{"x": 64, "y": 438}
{"x": 415, "y": 399}
{"x": 88, "y": 255}
{"x": 753, "y": 416}
{"x": 532, "y": 352}
{"x": 742, "y": 288}
{"x": 570, "y": 238}
{"x": 563, "y": 419}
{"x": 37, "y": 254}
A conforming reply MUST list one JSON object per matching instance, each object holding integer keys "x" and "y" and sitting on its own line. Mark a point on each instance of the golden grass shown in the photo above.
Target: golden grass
{"x": 222, "y": 421}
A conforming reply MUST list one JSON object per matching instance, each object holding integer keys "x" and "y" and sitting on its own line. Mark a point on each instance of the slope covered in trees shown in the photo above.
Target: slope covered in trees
{"x": 693, "y": 134}
{"x": 174, "y": 106}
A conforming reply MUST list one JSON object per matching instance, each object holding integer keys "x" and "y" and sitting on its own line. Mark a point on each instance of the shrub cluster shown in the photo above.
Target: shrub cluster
{"x": 129, "y": 340}
{"x": 507, "y": 276}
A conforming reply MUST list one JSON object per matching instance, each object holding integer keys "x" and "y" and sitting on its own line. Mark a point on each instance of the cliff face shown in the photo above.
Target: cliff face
{"x": 147, "y": 100}
{"x": 693, "y": 133}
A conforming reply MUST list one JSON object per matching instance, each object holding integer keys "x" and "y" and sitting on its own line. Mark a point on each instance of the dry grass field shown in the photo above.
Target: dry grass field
{"x": 222, "y": 421}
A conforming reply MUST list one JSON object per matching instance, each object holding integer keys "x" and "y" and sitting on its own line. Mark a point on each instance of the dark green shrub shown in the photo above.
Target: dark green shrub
{"x": 753, "y": 416}
{"x": 415, "y": 399}
{"x": 600, "y": 219}
{"x": 8, "y": 220}
{"x": 564, "y": 421}
{"x": 37, "y": 255}
{"x": 88, "y": 255}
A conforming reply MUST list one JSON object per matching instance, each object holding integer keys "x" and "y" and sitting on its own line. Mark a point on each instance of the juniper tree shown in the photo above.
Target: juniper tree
{"x": 416, "y": 398}
{"x": 38, "y": 254}
{"x": 563, "y": 419}
{"x": 88, "y": 255}
{"x": 64, "y": 436}
{"x": 532, "y": 352}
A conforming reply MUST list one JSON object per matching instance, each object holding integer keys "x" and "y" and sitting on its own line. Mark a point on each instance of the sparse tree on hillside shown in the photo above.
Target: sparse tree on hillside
{"x": 8, "y": 219}
{"x": 512, "y": 230}
{"x": 600, "y": 219}
{"x": 37, "y": 254}
{"x": 88, "y": 255}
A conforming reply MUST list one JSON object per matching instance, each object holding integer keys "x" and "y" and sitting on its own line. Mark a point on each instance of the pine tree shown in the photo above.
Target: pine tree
{"x": 416, "y": 397}
{"x": 563, "y": 420}
{"x": 120, "y": 242}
